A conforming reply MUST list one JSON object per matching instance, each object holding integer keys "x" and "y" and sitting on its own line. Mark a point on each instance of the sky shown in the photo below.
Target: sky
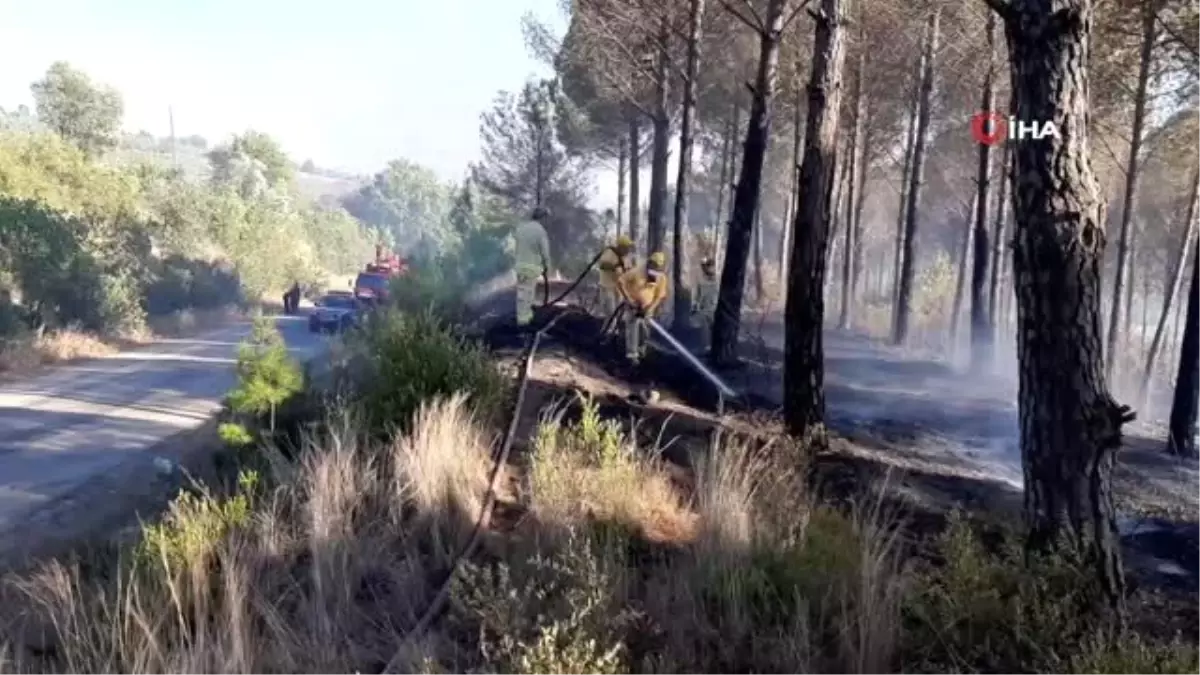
{"x": 349, "y": 84}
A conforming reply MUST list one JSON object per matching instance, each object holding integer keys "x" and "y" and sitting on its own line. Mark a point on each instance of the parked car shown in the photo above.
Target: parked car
{"x": 334, "y": 313}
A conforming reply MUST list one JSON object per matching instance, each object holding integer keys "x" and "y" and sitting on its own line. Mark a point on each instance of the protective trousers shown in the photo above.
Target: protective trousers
{"x": 634, "y": 333}
{"x": 527, "y": 279}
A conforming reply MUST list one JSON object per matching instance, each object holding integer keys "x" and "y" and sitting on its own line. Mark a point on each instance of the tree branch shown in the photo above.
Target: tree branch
{"x": 1176, "y": 37}
{"x": 754, "y": 26}
{"x": 791, "y": 17}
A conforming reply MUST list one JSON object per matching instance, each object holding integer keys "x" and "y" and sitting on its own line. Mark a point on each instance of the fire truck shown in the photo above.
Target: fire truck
{"x": 372, "y": 284}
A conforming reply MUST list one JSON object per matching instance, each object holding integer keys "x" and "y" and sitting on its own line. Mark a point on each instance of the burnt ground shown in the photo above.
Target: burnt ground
{"x": 915, "y": 432}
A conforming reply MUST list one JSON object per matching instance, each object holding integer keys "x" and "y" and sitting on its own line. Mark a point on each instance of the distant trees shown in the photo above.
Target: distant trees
{"x": 104, "y": 245}
{"x": 525, "y": 164}
{"x": 407, "y": 201}
{"x": 84, "y": 113}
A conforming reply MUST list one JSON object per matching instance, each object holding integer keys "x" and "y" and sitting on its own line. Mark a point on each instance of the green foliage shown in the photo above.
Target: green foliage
{"x": 414, "y": 358}
{"x": 994, "y": 611}
{"x": 195, "y": 524}
{"x": 73, "y": 107}
{"x": 267, "y": 375}
{"x": 409, "y": 203}
{"x": 524, "y": 164}
{"x": 235, "y": 435}
{"x": 556, "y": 613}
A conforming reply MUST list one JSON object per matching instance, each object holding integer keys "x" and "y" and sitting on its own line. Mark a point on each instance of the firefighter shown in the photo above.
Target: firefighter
{"x": 532, "y": 253}
{"x": 706, "y": 290}
{"x": 645, "y": 293}
{"x": 294, "y": 297}
{"x": 615, "y": 260}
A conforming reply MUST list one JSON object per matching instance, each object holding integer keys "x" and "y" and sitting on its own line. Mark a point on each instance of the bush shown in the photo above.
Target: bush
{"x": 267, "y": 374}
{"x": 412, "y": 358}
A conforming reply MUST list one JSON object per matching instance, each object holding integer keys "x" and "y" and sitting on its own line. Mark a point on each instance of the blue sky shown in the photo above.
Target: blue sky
{"x": 350, "y": 84}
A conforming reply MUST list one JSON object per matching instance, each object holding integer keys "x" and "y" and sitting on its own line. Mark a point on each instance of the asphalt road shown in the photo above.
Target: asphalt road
{"x": 62, "y": 429}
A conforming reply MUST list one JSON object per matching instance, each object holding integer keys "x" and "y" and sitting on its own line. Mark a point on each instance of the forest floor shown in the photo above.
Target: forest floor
{"x": 935, "y": 438}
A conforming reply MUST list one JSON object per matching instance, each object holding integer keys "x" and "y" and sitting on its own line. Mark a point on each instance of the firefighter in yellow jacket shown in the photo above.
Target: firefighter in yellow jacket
{"x": 614, "y": 261}
{"x": 645, "y": 293}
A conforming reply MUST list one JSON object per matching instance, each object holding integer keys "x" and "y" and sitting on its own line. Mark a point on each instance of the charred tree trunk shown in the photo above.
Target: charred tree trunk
{"x": 902, "y": 206}
{"x": 621, "y": 156}
{"x": 727, "y": 322}
{"x": 759, "y": 289}
{"x": 1171, "y": 290}
{"x": 635, "y": 152}
{"x": 860, "y": 204}
{"x": 785, "y": 236}
{"x": 1181, "y": 439}
{"x": 1070, "y": 426}
{"x": 981, "y": 326}
{"x": 804, "y": 358}
{"x": 1149, "y": 29}
{"x": 727, "y": 215}
{"x": 656, "y": 225}
{"x": 1000, "y": 241}
{"x": 1147, "y": 291}
{"x": 683, "y": 182}
{"x": 960, "y": 281}
{"x": 916, "y": 177}
{"x": 853, "y": 248}
{"x": 719, "y": 213}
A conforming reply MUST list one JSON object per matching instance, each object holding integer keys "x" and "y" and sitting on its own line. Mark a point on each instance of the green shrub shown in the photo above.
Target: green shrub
{"x": 560, "y": 612}
{"x": 267, "y": 375}
{"x": 415, "y": 357}
{"x": 194, "y": 524}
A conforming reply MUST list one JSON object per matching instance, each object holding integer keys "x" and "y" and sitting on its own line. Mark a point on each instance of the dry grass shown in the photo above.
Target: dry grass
{"x": 606, "y": 560}
{"x": 26, "y": 354}
{"x": 22, "y": 355}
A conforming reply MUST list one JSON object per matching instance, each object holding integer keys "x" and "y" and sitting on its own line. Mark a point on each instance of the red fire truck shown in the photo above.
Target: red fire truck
{"x": 371, "y": 286}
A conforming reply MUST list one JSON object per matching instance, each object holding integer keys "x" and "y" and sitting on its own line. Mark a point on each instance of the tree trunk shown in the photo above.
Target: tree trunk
{"x": 660, "y": 146}
{"x": 916, "y": 177}
{"x": 1000, "y": 242}
{"x": 860, "y": 204}
{"x": 960, "y": 281}
{"x": 1147, "y": 291}
{"x": 683, "y": 182}
{"x": 759, "y": 290}
{"x": 1171, "y": 289}
{"x": 853, "y": 247}
{"x": 1070, "y": 426}
{"x": 621, "y": 155}
{"x": 1181, "y": 439}
{"x": 902, "y": 206}
{"x": 635, "y": 151}
{"x": 804, "y": 357}
{"x": 840, "y": 166}
{"x": 727, "y": 322}
{"x": 981, "y": 326}
{"x": 726, "y": 151}
{"x": 1149, "y": 28}
{"x": 785, "y": 236}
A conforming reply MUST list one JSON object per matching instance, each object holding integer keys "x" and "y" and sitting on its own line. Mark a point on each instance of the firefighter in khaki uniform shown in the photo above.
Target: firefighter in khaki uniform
{"x": 645, "y": 293}
{"x": 615, "y": 260}
{"x": 707, "y": 289}
{"x": 532, "y": 253}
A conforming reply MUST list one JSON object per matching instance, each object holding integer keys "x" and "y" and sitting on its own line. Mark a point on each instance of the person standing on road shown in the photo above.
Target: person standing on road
{"x": 532, "y": 253}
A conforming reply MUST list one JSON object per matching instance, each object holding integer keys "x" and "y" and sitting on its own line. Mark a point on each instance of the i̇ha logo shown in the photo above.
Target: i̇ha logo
{"x": 990, "y": 128}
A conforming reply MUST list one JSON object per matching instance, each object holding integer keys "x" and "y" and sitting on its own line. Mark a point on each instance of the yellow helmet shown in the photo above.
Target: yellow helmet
{"x": 658, "y": 259}
{"x": 624, "y": 242}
